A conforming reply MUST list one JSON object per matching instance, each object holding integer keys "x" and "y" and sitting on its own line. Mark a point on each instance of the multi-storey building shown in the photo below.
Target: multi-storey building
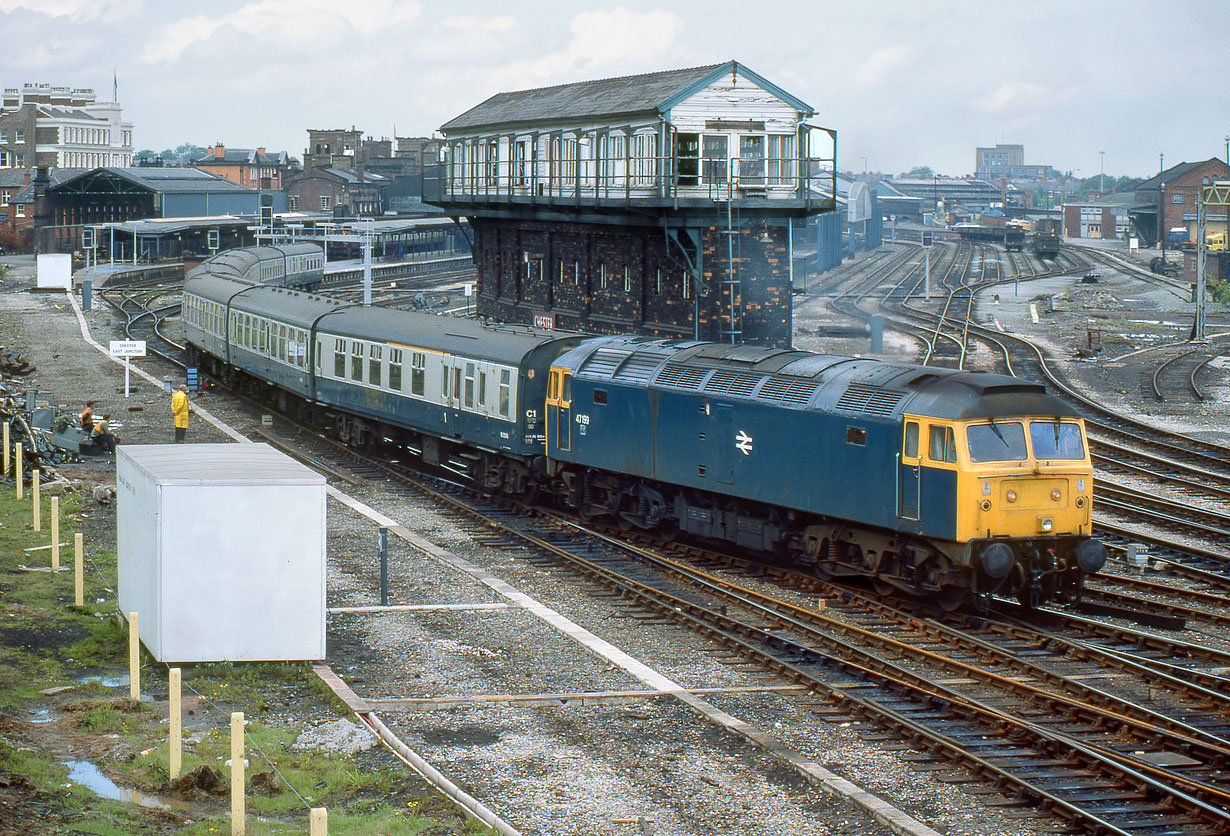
{"x": 41, "y": 125}
{"x": 255, "y": 168}
{"x": 1168, "y": 200}
{"x": 1008, "y": 162}
{"x": 658, "y": 203}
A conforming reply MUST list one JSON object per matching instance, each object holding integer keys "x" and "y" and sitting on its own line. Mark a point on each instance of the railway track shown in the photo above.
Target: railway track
{"x": 978, "y": 734}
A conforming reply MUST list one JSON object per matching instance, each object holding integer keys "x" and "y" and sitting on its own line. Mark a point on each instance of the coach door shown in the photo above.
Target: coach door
{"x": 908, "y": 499}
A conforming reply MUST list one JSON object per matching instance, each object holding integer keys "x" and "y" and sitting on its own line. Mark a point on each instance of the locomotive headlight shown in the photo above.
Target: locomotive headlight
{"x": 1055, "y": 494}
{"x": 986, "y": 505}
{"x": 1080, "y": 502}
{"x": 1010, "y": 496}
{"x": 1048, "y": 524}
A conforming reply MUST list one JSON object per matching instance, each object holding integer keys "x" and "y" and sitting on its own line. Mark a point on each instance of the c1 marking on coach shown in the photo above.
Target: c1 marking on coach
{"x": 743, "y": 442}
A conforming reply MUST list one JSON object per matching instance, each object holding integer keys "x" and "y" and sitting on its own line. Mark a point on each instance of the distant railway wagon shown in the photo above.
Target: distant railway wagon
{"x": 936, "y": 482}
{"x": 1011, "y": 236}
{"x": 1047, "y": 238}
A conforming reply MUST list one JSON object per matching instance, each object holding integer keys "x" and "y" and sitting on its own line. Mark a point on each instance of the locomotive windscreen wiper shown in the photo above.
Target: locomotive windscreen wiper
{"x": 998, "y": 434}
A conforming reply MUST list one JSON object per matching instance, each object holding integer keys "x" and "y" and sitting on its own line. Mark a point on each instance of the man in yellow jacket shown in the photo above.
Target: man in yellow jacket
{"x": 179, "y": 408}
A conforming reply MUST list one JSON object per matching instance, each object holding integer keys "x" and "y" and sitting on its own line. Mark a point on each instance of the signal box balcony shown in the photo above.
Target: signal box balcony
{"x": 677, "y": 140}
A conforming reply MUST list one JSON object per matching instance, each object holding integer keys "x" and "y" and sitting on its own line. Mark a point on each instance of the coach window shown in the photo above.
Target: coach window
{"x": 373, "y": 365}
{"x": 356, "y": 361}
{"x": 505, "y": 391}
{"x": 339, "y": 359}
{"x": 941, "y": 447}
{"x": 395, "y": 369}
{"x": 482, "y": 387}
{"x": 469, "y": 399}
{"x": 418, "y": 373}
{"x": 318, "y": 360}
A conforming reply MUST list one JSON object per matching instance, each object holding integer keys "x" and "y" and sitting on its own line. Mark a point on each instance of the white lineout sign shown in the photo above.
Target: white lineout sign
{"x": 126, "y": 349}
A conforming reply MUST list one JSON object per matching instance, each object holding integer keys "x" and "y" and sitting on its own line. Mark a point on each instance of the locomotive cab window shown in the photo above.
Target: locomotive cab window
{"x": 941, "y": 446}
{"x": 1001, "y": 441}
{"x": 600, "y": 396}
{"x": 1056, "y": 440}
{"x": 909, "y": 447}
{"x": 856, "y": 435}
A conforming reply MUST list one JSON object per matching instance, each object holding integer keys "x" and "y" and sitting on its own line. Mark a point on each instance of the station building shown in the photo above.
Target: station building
{"x": 1168, "y": 200}
{"x": 658, "y": 204}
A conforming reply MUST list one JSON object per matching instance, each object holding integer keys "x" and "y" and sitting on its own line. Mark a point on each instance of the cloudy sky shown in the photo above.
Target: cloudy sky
{"x": 904, "y": 83}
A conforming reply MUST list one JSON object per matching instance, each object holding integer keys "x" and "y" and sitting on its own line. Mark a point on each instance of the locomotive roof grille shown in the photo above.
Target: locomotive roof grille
{"x": 639, "y": 368}
{"x": 732, "y": 383}
{"x": 679, "y": 376}
{"x": 792, "y": 391}
{"x": 870, "y": 400}
{"x": 604, "y": 362}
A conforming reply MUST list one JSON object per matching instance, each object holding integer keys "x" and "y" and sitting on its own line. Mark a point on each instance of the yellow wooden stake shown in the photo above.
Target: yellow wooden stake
{"x": 79, "y": 570}
{"x": 319, "y": 821}
{"x": 134, "y": 657}
{"x": 237, "y": 777}
{"x": 6, "y": 448}
{"x": 35, "y": 494}
{"x": 176, "y": 718}
{"x": 20, "y": 474}
{"x": 55, "y": 534}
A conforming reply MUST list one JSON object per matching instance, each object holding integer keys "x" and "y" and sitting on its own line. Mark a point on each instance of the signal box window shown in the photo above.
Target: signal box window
{"x": 941, "y": 447}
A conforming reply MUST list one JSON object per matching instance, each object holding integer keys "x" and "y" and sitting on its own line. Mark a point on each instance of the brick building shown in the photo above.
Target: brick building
{"x": 1168, "y": 200}
{"x": 41, "y": 125}
{"x": 657, "y": 204}
{"x": 255, "y": 168}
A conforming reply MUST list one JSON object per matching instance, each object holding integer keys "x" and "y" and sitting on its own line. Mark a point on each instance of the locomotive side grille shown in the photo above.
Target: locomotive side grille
{"x": 680, "y": 376}
{"x": 603, "y": 362}
{"x": 640, "y": 367}
{"x": 732, "y": 383}
{"x": 871, "y": 400}
{"x": 794, "y": 391}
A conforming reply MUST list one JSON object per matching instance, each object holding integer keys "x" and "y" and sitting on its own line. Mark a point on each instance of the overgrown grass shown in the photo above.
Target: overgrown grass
{"x": 45, "y": 641}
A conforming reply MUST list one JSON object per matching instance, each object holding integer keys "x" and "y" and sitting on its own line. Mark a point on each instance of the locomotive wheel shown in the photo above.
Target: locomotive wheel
{"x": 883, "y": 587}
{"x": 950, "y": 598}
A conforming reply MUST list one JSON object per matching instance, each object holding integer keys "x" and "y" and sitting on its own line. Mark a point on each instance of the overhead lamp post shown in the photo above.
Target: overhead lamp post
{"x": 1101, "y": 171}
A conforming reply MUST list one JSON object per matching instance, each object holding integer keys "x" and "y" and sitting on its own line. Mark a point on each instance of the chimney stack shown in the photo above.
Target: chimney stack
{"x": 219, "y": 151}
{"x": 260, "y": 151}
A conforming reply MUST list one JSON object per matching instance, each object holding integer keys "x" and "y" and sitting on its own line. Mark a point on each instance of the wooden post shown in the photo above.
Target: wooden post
{"x": 319, "y": 821}
{"x": 134, "y": 657}
{"x": 176, "y": 718}
{"x": 6, "y": 448}
{"x": 237, "y": 778}
{"x": 79, "y": 570}
{"x": 20, "y": 474}
{"x": 55, "y": 534}
{"x": 35, "y": 494}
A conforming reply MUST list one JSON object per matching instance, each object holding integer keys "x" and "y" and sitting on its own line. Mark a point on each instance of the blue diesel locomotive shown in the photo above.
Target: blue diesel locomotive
{"x": 931, "y": 481}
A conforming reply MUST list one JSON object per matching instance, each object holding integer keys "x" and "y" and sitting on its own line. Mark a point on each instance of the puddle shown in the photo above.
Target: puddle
{"x": 89, "y": 776}
{"x": 43, "y": 716}
{"x": 106, "y": 681}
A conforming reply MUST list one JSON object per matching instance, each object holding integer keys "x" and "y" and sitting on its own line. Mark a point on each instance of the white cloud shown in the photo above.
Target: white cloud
{"x": 78, "y": 9}
{"x": 883, "y": 64}
{"x": 287, "y": 22}
{"x": 616, "y": 41}
{"x": 470, "y": 23}
{"x": 607, "y": 37}
{"x": 1015, "y": 97}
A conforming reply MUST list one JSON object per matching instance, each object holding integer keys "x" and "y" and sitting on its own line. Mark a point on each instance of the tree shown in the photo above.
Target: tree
{"x": 144, "y": 155}
{"x": 920, "y": 172}
{"x": 187, "y": 152}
